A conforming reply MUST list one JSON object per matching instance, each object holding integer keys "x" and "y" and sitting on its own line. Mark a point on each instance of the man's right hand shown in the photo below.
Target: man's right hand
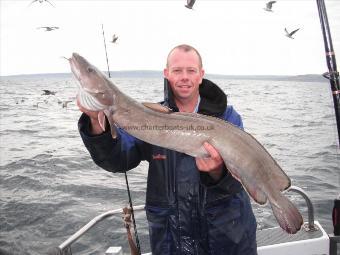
{"x": 95, "y": 128}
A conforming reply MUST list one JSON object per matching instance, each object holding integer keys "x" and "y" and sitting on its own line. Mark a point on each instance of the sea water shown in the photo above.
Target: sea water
{"x": 50, "y": 187}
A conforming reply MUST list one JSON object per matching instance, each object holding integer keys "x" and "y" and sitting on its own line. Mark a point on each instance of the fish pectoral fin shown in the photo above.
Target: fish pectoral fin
{"x": 157, "y": 107}
{"x": 102, "y": 120}
{"x": 112, "y": 124}
{"x": 113, "y": 131}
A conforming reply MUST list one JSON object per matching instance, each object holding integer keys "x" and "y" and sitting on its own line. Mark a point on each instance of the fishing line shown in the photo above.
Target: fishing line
{"x": 127, "y": 158}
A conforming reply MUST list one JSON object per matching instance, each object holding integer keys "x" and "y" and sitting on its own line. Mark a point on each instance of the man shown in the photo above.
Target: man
{"x": 193, "y": 205}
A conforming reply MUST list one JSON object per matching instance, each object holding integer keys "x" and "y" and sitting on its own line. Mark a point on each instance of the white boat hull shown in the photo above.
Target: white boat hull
{"x": 274, "y": 241}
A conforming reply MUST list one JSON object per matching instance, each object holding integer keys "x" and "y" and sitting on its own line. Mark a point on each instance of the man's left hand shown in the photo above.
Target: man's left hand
{"x": 213, "y": 165}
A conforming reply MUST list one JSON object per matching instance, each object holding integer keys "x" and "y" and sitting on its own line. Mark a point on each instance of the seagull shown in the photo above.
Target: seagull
{"x": 290, "y": 35}
{"x": 269, "y": 6}
{"x": 48, "y": 28}
{"x": 114, "y": 38}
{"x": 48, "y": 92}
{"x": 41, "y": 1}
{"x": 190, "y": 4}
{"x": 64, "y": 103}
{"x": 37, "y": 104}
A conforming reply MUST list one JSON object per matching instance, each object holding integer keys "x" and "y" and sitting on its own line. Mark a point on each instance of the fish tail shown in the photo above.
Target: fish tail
{"x": 287, "y": 214}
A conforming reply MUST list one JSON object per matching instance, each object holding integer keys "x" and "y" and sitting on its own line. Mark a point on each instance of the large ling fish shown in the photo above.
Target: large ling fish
{"x": 246, "y": 159}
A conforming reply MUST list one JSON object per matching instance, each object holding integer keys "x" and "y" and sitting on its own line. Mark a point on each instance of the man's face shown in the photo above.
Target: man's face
{"x": 184, "y": 73}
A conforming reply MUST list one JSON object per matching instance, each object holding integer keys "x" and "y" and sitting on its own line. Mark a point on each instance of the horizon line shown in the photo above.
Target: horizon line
{"x": 161, "y": 73}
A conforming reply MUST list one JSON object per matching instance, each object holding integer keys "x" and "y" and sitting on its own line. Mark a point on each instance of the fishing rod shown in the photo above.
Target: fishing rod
{"x": 132, "y": 211}
{"x": 126, "y": 179}
{"x": 107, "y": 60}
{"x": 333, "y": 76}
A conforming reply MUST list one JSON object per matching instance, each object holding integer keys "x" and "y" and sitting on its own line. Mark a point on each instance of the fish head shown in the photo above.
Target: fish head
{"x": 96, "y": 91}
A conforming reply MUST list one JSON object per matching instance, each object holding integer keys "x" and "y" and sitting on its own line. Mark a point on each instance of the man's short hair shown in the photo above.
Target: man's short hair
{"x": 185, "y": 48}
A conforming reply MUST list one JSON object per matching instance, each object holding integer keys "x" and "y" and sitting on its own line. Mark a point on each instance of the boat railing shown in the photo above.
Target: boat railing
{"x": 310, "y": 226}
{"x": 64, "y": 248}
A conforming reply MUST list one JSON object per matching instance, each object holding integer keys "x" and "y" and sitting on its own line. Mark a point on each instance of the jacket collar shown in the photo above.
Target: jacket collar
{"x": 213, "y": 99}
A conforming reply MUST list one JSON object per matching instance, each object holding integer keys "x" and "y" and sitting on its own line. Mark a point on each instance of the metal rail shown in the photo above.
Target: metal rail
{"x": 65, "y": 246}
{"x": 310, "y": 226}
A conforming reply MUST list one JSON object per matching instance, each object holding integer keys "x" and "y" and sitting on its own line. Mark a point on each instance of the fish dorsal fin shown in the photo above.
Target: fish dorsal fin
{"x": 157, "y": 107}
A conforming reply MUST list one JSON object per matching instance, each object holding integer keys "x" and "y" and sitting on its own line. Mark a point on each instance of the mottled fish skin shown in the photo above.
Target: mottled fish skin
{"x": 246, "y": 159}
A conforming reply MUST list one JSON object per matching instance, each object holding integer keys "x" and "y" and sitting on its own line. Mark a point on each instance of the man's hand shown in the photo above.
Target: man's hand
{"x": 212, "y": 165}
{"x": 95, "y": 129}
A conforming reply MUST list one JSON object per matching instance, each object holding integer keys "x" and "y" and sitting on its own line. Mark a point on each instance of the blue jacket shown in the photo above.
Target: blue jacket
{"x": 188, "y": 213}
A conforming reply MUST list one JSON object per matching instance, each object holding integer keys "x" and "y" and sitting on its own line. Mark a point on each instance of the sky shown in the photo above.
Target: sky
{"x": 234, "y": 37}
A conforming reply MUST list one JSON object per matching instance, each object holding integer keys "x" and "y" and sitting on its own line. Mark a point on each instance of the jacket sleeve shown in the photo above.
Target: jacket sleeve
{"x": 227, "y": 184}
{"x": 115, "y": 155}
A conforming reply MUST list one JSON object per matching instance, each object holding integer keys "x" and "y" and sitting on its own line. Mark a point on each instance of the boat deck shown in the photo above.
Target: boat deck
{"x": 273, "y": 236}
{"x": 277, "y": 241}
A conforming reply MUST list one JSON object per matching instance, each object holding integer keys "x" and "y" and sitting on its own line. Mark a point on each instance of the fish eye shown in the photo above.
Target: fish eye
{"x": 90, "y": 69}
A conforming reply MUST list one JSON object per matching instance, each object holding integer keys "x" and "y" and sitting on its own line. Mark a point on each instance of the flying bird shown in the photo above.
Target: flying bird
{"x": 269, "y": 6}
{"x": 48, "y": 92}
{"x": 48, "y": 28}
{"x": 190, "y": 4}
{"x": 114, "y": 38}
{"x": 290, "y": 34}
{"x": 41, "y": 1}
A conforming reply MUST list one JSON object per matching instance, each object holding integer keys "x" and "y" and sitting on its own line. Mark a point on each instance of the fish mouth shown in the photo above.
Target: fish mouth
{"x": 74, "y": 61}
{"x": 92, "y": 94}
{"x": 80, "y": 66}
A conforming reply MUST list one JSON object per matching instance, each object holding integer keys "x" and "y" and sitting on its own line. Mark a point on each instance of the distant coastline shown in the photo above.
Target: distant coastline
{"x": 159, "y": 74}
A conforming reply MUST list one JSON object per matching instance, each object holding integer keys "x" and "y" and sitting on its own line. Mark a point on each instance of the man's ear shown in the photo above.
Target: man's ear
{"x": 202, "y": 72}
{"x": 202, "y": 75}
{"x": 166, "y": 72}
